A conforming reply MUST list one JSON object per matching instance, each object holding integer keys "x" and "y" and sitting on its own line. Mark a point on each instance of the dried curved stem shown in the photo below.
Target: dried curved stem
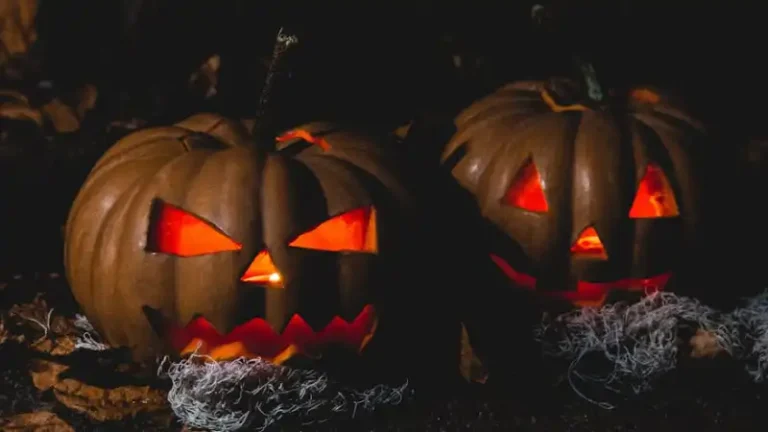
{"x": 283, "y": 42}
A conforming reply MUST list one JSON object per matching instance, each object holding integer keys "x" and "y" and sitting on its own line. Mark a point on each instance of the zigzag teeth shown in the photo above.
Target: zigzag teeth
{"x": 258, "y": 337}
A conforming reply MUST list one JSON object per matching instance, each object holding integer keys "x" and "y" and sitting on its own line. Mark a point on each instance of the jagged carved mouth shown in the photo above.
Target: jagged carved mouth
{"x": 257, "y": 338}
{"x": 586, "y": 293}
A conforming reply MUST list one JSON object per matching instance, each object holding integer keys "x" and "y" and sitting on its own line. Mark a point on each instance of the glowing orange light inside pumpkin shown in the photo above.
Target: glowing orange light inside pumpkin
{"x": 586, "y": 293}
{"x": 527, "y": 190}
{"x": 588, "y": 244}
{"x": 306, "y": 136}
{"x": 257, "y": 338}
{"x": 654, "y": 198}
{"x": 262, "y": 270}
{"x": 177, "y": 232}
{"x": 645, "y": 95}
{"x": 353, "y": 231}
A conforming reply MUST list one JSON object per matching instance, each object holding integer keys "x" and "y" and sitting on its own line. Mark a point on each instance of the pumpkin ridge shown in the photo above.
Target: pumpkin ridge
{"x": 502, "y": 117}
{"x": 132, "y": 209}
{"x": 126, "y": 203}
{"x": 137, "y": 139}
{"x": 494, "y": 105}
{"x": 226, "y": 167}
{"x": 82, "y": 198}
{"x": 94, "y": 178}
{"x": 495, "y": 135}
{"x": 96, "y": 264}
{"x": 195, "y": 159}
{"x": 371, "y": 162}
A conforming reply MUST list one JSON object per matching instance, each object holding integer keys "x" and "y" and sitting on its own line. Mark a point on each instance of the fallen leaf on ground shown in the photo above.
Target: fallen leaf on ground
{"x": 3, "y": 330}
{"x": 41, "y": 421}
{"x": 100, "y": 404}
{"x": 704, "y": 344}
{"x": 45, "y": 331}
{"x": 45, "y": 374}
{"x": 470, "y": 366}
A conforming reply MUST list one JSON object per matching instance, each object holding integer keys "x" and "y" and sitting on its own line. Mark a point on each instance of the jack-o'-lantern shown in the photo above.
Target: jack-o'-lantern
{"x": 591, "y": 199}
{"x": 192, "y": 233}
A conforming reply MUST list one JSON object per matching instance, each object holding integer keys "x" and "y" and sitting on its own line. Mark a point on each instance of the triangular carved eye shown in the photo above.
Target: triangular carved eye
{"x": 655, "y": 197}
{"x": 175, "y": 231}
{"x": 527, "y": 190}
{"x": 352, "y": 231}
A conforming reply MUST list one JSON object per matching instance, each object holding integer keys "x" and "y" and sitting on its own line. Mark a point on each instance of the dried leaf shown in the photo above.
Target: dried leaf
{"x": 45, "y": 374}
{"x": 41, "y": 421}
{"x": 704, "y": 344}
{"x": 62, "y": 117}
{"x": 61, "y": 345}
{"x": 17, "y": 27}
{"x": 64, "y": 113}
{"x": 206, "y": 79}
{"x": 109, "y": 404}
{"x": 471, "y": 367}
{"x": 67, "y": 111}
{"x": 36, "y": 317}
{"x": 15, "y": 106}
{"x": 3, "y": 331}
{"x": 100, "y": 404}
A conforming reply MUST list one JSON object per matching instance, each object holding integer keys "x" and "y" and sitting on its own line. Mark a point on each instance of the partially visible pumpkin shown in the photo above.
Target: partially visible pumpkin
{"x": 587, "y": 200}
{"x": 191, "y": 231}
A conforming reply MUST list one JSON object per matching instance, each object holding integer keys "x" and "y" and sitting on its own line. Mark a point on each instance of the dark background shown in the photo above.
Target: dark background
{"x": 387, "y": 60}
{"x": 381, "y": 65}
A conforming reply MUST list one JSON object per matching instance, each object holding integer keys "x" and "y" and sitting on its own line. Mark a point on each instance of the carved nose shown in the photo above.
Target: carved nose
{"x": 589, "y": 245}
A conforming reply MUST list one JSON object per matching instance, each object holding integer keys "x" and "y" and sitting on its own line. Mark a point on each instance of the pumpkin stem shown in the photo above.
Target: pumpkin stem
{"x": 543, "y": 19}
{"x": 594, "y": 89}
{"x": 262, "y": 127}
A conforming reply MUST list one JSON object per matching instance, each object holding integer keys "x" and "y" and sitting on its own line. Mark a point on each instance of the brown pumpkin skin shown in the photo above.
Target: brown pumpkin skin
{"x": 590, "y": 162}
{"x": 207, "y": 166}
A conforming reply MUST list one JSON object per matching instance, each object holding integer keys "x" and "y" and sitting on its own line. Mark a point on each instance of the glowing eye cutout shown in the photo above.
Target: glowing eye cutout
{"x": 174, "y": 231}
{"x": 589, "y": 245}
{"x": 654, "y": 198}
{"x": 262, "y": 271}
{"x": 353, "y": 231}
{"x": 527, "y": 190}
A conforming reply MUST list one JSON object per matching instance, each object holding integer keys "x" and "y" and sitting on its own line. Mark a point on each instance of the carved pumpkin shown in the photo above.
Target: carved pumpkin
{"x": 189, "y": 232}
{"x": 589, "y": 199}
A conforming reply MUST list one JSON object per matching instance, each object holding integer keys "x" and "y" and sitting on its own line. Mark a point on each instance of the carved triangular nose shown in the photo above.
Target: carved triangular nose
{"x": 589, "y": 245}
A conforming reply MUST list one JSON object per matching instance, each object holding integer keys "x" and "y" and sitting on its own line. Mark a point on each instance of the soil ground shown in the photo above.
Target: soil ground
{"x": 44, "y": 383}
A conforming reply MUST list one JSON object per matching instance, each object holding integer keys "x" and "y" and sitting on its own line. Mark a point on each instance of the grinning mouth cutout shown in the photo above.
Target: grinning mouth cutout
{"x": 586, "y": 293}
{"x": 257, "y": 338}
